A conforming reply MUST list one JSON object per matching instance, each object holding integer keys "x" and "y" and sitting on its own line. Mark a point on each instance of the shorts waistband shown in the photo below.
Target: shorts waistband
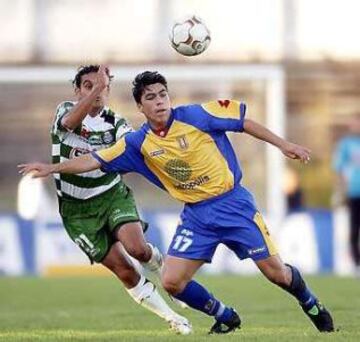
{"x": 95, "y": 199}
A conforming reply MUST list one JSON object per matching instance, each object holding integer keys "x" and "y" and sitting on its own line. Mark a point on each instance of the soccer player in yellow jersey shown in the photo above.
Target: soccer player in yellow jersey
{"x": 186, "y": 152}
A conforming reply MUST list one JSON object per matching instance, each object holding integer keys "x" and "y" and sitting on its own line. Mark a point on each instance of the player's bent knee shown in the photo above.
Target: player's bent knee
{"x": 139, "y": 253}
{"x": 172, "y": 285}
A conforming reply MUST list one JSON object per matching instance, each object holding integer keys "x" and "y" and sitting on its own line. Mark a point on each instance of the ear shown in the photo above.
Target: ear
{"x": 77, "y": 91}
{"x": 140, "y": 106}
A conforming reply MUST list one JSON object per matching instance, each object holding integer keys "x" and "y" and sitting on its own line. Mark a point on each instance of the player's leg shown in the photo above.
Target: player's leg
{"x": 264, "y": 253}
{"x": 82, "y": 222}
{"x": 121, "y": 266}
{"x": 125, "y": 223}
{"x": 354, "y": 208}
{"x": 250, "y": 238}
{"x": 289, "y": 278}
{"x": 142, "y": 290}
{"x": 132, "y": 238}
{"x": 187, "y": 253}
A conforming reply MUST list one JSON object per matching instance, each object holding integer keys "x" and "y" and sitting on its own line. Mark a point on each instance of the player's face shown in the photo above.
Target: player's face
{"x": 87, "y": 83}
{"x": 155, "y": 104}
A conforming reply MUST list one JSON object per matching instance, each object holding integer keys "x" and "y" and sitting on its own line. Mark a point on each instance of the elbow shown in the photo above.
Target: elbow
{"x": 66, "y": 123}
{"x": 247, "y": 125}
{"x": 93, "y": 163}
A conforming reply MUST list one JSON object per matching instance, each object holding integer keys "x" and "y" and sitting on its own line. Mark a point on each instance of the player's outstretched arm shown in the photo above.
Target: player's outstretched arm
{"x": 289, "y": 149}
{"x": 74, "y": 166}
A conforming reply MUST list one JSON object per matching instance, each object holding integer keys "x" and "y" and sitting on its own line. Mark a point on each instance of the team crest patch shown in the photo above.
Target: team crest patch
{"x": 182, "y": 141}
{"x": 95, "y": 139}
{"x": 107, "y": 138}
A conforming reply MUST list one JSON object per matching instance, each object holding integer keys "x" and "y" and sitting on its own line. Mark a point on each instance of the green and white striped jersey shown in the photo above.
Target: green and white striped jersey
{"x": 95, "y": 133}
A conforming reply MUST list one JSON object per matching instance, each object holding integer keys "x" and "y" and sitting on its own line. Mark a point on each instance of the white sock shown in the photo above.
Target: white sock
{"x": 146, "y": 294}
{"x": 155, "y": 263}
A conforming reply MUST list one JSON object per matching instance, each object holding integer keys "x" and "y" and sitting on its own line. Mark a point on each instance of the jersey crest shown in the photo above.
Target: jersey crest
{"x": 182, "y": 141}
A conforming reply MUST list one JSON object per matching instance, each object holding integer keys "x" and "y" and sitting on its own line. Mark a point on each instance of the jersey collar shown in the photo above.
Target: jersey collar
{"x": 163, "y": 131}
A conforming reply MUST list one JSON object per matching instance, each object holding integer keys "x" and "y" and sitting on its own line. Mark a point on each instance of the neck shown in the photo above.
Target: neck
{"x": 160, "y": 122}
{"x": 156, "y": 125}
{"x": 95, "y": 111}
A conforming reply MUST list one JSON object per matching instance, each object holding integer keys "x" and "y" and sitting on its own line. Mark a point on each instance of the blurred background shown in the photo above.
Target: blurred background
{"x": 295, "y": 63}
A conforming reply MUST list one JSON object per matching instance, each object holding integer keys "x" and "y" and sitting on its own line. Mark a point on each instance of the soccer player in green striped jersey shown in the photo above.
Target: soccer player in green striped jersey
{"x": 98, "y": 210}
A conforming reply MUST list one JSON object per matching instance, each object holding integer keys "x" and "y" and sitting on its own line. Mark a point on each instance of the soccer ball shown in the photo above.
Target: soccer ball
{"x": 190, "y": 36}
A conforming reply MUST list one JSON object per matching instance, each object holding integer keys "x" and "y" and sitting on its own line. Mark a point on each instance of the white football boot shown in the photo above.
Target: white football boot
{"x": 180, "y": 325}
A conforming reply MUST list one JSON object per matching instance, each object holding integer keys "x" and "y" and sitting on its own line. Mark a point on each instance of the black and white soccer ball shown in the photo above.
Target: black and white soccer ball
{"x": 190, "y": 36}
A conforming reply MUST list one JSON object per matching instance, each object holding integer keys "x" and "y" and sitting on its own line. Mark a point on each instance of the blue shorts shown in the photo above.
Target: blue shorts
{"x": 231, "y": 219}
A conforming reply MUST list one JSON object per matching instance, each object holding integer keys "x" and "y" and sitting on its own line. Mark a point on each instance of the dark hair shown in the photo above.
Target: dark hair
{"x": 145, "y": 79}
{"x": 87, "y": 69}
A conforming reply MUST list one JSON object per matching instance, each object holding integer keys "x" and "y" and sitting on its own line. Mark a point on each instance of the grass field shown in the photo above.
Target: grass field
{"x": 98, "y": 309}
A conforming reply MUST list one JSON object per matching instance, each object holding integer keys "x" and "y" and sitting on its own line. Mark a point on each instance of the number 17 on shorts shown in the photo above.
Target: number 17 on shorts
{"x": 182, "y": 240}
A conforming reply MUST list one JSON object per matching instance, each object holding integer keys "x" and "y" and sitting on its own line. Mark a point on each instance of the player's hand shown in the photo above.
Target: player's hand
{"x": 295, "y": 151}
{"x": 35, "y": 170}
{"x": 102, "y": 77}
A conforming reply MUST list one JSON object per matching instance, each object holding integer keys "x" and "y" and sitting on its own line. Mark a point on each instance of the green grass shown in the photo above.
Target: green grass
{"x": 98, "y": 309}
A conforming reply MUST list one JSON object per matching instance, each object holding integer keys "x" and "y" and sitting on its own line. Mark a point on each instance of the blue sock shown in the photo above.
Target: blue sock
{"x": 299, "y": 289}
{"x": 197, "y": 297}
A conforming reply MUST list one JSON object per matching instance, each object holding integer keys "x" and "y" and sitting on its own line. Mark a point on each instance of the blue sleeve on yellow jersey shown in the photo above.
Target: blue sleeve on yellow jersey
{"x": 121, "y": 157}
{"x": 221, "y": 115}
{"x": 125, "y": 156}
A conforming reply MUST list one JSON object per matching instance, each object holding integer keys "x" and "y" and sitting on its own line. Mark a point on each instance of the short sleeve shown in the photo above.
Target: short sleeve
{"x": 225, "y": 115}
{"x": 117, "y": 158}
{"x": 61, "y": 110}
